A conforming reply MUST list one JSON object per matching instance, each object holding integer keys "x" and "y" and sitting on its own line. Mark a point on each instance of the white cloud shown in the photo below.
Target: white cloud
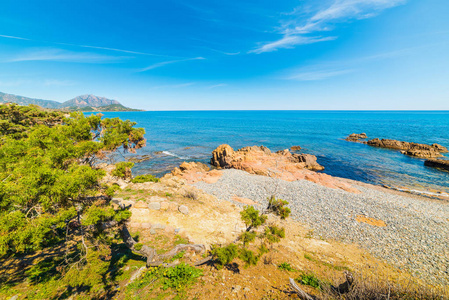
{"x": 63, "y": 56}
{"x": 312, "y": 75}
{"x": 289, "y": 41}
{"x": 13, "y": 37}
{"x": 217, "y": 85}
{"x": 164, "y": 63}
{"x": 174, "y": 86}
{"x": 296, "y": 28}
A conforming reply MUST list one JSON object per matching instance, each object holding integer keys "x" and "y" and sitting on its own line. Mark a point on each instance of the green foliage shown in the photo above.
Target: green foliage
{"x": 47, "y": 178}
{"x": 248, "y": 237}
{"x": 277, "y": 206}
{"x": 122, "y": 215}
{"x": 274, "y": 234}
{"x": 310, "y": 280}
{"x": 263, "y": 249}
{"x": 110, "y": 190}
{"x": 138, "y": 246}
{"x": 16, "y": 120}
{"x": 252, "y": 218}
{"x": 123, "y": 170}
{"x": 286, "y": 267}
{"x": 248, "y": 257}
{"x": 225, "y": 255}
{"x": 145, "y": 178}
{"x": 179, "y": 278}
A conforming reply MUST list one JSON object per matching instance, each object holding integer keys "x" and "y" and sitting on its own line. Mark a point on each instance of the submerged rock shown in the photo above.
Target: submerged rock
{"x": 437, "y": 163}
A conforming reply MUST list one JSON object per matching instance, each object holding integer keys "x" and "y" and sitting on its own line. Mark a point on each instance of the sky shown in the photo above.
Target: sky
{"x": 230, "y": 55}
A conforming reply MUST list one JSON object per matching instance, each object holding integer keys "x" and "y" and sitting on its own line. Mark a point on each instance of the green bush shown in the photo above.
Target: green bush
{"x": 310, "y": 280}
{"x": 123, "y": 170}
{"x": 286, "y": 266}
{"x": 224, "y": 255}
{"x": 277, "y": 206}
{"x": 145, "y": 178}
{"x": 251, "y": 217}
{"x": 248, "y": 257}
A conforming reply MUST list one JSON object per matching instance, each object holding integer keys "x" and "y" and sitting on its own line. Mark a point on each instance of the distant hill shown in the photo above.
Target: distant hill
{"x": 89, "y": 100}
{"x": 80, "y": 103}
{"x": 5, "y": 98}
{"x": 112, "y": 107}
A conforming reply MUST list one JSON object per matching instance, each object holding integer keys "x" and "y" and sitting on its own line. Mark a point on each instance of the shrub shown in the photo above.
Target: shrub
{"x": 123, "y": 170}
{"x": 285, "y": 266}
{"x": 251, "y": 217}
{"x": 248, "y": 257}
{"x": 277, "y": 206}
{"x": 180, "y": 276}
{"x": 310, "y": 280}
{"x": 145, "y": 178}
{"x": 224, "y": 255}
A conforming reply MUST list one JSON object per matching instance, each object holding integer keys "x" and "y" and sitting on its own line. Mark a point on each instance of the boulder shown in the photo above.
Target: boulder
{"x": 355, "y": 137}
{"x": 183, "y": 209}
{"x": 222, "y": 156}
{"x": 295, "y": 148}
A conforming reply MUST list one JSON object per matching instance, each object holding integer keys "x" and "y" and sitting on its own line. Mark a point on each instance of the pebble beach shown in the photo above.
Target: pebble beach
{"x": 411, "y": 232}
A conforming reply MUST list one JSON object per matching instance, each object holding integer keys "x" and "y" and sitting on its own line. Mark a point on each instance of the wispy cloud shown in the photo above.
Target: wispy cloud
{"x": 169, "y": 62}
{"x": 88, "y": 46}
{"x": 13, "y": 37}
{"x": 289, "y": 41}
{"x": 63, "y": 56}
{"x": 317, "y": 74}
{"x": 173, "y": 86}
{"x": 299, "y": 29}
{"x": 217, "y": 85}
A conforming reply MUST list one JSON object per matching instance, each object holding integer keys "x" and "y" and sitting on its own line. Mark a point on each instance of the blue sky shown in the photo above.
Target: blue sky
{"x": 198, "y": 55}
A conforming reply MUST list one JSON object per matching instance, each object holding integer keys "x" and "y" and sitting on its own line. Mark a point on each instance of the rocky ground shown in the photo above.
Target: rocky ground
{"x": 408, "y": 232}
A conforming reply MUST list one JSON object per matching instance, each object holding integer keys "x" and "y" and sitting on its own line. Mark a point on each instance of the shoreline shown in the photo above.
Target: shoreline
{"x": 399, "y": 228}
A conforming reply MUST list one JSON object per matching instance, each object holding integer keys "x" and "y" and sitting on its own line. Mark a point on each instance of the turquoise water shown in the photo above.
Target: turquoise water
{"x": 193, "y": 135}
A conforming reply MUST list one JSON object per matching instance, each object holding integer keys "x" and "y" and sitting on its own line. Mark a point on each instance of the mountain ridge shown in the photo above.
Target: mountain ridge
{"x": 87, "y": 102}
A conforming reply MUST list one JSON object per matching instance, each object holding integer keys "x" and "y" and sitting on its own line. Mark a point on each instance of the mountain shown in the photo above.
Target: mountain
{"x": 5, "y": 98}
{"x": 89, "y": 100}
{"x": 80, "y": 103}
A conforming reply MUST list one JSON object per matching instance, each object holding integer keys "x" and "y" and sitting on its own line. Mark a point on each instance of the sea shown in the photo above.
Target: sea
{"x": 177, "y": 136}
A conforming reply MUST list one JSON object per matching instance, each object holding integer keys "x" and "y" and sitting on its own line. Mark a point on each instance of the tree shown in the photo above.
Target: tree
{"x": 49, "y": 184}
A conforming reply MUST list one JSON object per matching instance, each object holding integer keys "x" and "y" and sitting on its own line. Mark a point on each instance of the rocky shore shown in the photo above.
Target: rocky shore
{"x": 406, "y": 231}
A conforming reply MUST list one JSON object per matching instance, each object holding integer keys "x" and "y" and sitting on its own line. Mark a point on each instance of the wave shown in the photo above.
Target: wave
{"x": 174, "y": 155}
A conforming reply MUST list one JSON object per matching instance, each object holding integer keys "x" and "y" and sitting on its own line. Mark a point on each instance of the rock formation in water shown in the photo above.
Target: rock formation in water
{"x": 355, "y": 137}
{"x": 407, "y": 148}
{"x": 259, "y": 160}
{"x": 437, "y": 163}
{"x": 411, "y": 149}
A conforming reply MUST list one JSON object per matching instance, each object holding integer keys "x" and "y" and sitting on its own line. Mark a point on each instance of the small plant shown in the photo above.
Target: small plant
{"x": 277, "y": 206}
{"x": 180, "y": 277}
{"x": 310, "y": 280}
{"x": 252, "y": 218}
{"x": 123, "y": 170}
{"x": 224, "y": 255}
{"x": 145, "y": 178}
{"x": 286, "y": 267}
{"x": 191, "y": 195}
{"x": 248, "y": 257}
{"x": 167, "y": 194}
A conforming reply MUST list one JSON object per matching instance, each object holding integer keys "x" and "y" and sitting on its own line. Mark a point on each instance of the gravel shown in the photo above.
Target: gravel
{"x": 416, "y": 236}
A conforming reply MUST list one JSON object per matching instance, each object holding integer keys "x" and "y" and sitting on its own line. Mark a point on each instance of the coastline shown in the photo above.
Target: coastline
{"x": 408, "y": 229}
